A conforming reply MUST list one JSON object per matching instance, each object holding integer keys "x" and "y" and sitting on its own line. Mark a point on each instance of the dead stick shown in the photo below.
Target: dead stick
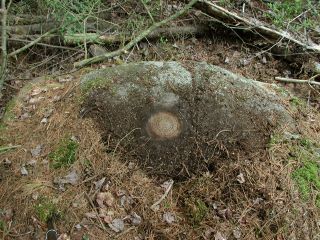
{"x": 94, "y": 209}
{"x": 74, "y": 39}
{"x": 293, "y": 80}
{"x": 135, "y": 40}
{"x": 154, "y": 206}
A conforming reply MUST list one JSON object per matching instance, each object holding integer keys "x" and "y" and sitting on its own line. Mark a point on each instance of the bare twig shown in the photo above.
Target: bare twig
{"x": 141, "y": 36}
{"x": 115, "y": 149}
{"x": 293, "y": 80}
{"x": 155, "y": 205}
{"x": 94, "y": 209}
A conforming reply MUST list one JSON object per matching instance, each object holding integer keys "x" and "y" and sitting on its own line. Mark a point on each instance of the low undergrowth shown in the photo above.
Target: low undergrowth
{"x": 304, "y": 154}
{"x": 65, "y": 154}
{"x": 306, "y": 175}
{"x": 46, "y": 209}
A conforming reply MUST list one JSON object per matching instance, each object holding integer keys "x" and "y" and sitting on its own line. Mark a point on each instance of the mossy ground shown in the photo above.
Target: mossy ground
{"x": 306, "y": 175}
{"x": 65, "y": 153}
{"x": 45, "y": 209}
{"x": 304, "y": 155}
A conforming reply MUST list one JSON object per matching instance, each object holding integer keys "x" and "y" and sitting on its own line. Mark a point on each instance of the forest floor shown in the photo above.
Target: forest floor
{"x": 257, "y": 197}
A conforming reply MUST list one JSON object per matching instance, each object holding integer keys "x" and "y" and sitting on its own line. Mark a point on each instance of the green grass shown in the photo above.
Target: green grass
{"x": 2, "y": 225}
{"x": 308, "y": 180}
{"x": 307, "y": 174}
{"x": 85, "y": 237}
{"x": 65, "y": 154}
{"x": 294, "y": 14}
{"x": 297, "y": 102}
{"x": 46, "y": 209}
{"x": 4, "y": 149}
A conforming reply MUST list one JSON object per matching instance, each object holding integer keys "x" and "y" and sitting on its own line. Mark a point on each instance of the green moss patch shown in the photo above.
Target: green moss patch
{"x": 65, "y": 154}
{"x": 197, "y": 210}
{"x": 45, "y": 210}
{"x": 307, "y": 174}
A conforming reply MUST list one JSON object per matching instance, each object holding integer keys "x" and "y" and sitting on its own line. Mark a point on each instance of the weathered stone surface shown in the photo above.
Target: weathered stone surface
{"x": 177, "y": 119}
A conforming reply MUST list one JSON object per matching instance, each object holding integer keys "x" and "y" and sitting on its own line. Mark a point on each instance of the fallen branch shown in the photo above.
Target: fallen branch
{"x": 125, "y": 37}
{"x": 221, "y": 13}
{"x": 156, "y": 204}
{"x": 106, "y": 39}
{"x": 293, "y": 80}
{"x": 133, "y": 42}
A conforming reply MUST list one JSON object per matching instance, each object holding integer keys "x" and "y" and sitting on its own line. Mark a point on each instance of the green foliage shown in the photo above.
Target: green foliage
{"x": 65, "y": 154}
{"x": 306, "y": 143}
{"x": 25, "y": 7}
{"x": 72, "y": 12}
{"x": 297, "y": 102}
{"x": 46, "y": 209}
{"x": 307, "y": 179}
{"x": 283, "y": 13}
{"x": 307, "y": 175}
{"x": 85, "y": 237}
{"x": 225, "y": 2}
{"x": 2, "y": 225}
{"x": 197, "y": 210}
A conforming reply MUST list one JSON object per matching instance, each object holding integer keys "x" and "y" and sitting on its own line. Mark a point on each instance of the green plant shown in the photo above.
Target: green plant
{"x": 307, "y": 143}
{"x": 307, "y": 175}
{"x": 65, "y": 154}
{"x": 225, "y": 2}
{"x": 297, "y": 102}
{"x": 275, "y": 139}
{"x": 46, "y": 209}
{"x": 307, "y": 178}
{"x": 2, "y": 225}
{"x": 163, "y": 40}
{"x": 197, "y": 210}
{"x": 85, "y": 237}
{"x": 294, "y": 14}
{"x": 72, "y": 13}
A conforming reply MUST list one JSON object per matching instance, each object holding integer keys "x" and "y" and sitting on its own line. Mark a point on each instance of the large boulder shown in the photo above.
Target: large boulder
{"x": 177, "y": 119}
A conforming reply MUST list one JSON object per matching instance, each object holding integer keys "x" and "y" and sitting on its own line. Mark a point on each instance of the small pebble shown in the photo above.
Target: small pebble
{"x": 24, "y": 171}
